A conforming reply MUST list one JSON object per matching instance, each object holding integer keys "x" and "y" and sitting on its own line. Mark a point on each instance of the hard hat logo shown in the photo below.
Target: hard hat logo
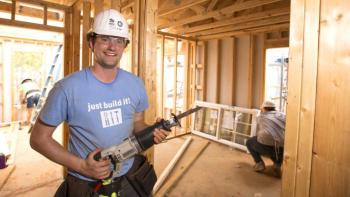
{"x": 120, "y": 24}
{"x": 111, "y": 23}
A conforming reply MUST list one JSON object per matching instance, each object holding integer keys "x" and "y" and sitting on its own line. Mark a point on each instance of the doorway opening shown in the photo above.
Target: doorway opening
{"x": 276, "y": 72}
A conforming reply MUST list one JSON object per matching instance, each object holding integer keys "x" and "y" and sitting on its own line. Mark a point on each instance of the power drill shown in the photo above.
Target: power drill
{"x": 137, "y": 143}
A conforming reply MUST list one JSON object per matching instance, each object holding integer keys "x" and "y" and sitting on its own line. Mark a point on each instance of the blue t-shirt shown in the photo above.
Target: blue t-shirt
{"x": 99, "y": 114}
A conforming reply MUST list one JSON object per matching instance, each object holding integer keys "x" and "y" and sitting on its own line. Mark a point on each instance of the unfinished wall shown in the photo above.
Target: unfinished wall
{"x": 227, "y": 71}
{"x": 231, "y": 57}
{"x": 258, "y": 70}
{"x": 242, "y": 62}
{"x": 212, "y": 69}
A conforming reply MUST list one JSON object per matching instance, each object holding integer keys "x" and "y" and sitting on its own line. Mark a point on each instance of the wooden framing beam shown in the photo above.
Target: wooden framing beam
{"x": 127, "y": 4}
{"x": 30, "y": 25}
{"x": 275, "y": 43}
{"x": 13, "y": 10}
{"x": 33, "y": 12}
{"x": 175, "y": 80}
{"x": 147, "y": 61}
{"x": 290, "y": 168}
{"x": 263, "y": 73}
{"x": 236, "y": 20}
{"x": 186, "y": 85}
{"x": 234, "y": 70}
{"x": 98, "y": 4}
{"x": 45, "y": 15}
{"x": 162, "y": 78}
{"x": 76, "y": 36}
{"x": 86, "y": 52}
{"x": 308, "y": 97}
{"x": 137, "y": 43}
{"x": 67, "y": 68}
{"x": 227, "y": 10}
{"x": 301, "y": 97}
{"x": 198, "y": 9}
{"x": 283, "y": 26}
{"x": 218, "y": 72}
{"x": 212, "y": 5}
{"x": 42, "y": 3}
{"x": 204, "y": 70}
{"x": 171, "y": 8}
{"x": 252, "y": 24}
{"x": 251, "y": 71}
{"x": 192, "y": 73}
{"x": 175, "y": 36}
{"x": 116, "y": 4}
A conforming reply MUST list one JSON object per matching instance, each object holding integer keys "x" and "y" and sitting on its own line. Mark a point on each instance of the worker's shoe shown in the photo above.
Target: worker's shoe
{"x": 277, "y": 170}
{"x": 259, "y": 167}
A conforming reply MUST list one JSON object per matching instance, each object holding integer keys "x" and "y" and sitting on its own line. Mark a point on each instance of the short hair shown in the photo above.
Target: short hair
{"x": 270, "y": 108}
{"x": 26, "y": 80}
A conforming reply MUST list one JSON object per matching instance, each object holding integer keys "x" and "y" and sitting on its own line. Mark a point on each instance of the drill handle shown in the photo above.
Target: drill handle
{"x": 145, "y": 137}
{"x": 97, "y": 156}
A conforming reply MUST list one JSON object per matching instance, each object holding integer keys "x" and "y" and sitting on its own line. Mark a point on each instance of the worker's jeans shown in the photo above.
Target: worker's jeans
{"x": 257, "y": 149}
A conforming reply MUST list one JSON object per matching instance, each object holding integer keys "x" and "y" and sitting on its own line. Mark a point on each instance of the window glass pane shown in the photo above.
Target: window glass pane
{"x": 206, "y": 121}
{"x": 227, "y": 125}
{"x": 235, "y": 126}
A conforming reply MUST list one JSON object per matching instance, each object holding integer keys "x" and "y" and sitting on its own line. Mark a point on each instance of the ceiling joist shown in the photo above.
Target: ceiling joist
{"x": 235, "y": 20}
{"x": 278, "y": 27}
{"x": 172, "y": 8}
{"x": 212, "y": 5}
{"x": 226, "y": 10}
{"x": 252, "y": 24}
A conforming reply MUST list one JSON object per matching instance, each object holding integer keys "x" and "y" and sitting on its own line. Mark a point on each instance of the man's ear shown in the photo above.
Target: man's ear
{"x": 91, "y": 45}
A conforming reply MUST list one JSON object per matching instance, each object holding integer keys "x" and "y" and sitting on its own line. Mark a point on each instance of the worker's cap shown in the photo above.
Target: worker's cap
{"x": 268, "y": 104}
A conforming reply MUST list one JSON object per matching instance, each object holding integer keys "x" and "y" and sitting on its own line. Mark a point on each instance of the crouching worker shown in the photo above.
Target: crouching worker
{"x": 269, "y": 139}
{"x": 103, "y": 105}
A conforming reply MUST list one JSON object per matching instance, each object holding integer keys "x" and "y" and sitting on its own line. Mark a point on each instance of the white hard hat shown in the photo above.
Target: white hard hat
{"x": 112, "y": 23}
{"x": 268, "y": 104}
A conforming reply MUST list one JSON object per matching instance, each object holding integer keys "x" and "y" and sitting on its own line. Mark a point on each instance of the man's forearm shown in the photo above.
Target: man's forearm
{"x": 41, "y": 140}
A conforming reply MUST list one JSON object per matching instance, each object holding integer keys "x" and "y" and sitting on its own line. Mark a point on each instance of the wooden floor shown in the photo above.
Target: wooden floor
{"x": 218, "y": 171}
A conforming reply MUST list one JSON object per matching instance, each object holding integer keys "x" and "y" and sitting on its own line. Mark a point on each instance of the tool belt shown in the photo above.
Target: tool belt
{"x": 142, "y": 176}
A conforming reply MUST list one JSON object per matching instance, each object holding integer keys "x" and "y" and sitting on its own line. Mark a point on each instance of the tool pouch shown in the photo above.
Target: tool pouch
{"x": 142, "y": 176}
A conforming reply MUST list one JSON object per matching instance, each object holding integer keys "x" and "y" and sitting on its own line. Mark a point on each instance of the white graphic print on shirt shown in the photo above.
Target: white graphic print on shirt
{"x": 111, "y": 117}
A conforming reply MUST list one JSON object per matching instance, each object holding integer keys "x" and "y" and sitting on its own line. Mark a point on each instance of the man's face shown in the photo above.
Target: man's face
{"x": 108, "y": 50}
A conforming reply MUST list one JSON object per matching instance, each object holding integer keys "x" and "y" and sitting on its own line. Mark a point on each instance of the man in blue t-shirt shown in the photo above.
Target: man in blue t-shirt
{"x": 102, "y": 104}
